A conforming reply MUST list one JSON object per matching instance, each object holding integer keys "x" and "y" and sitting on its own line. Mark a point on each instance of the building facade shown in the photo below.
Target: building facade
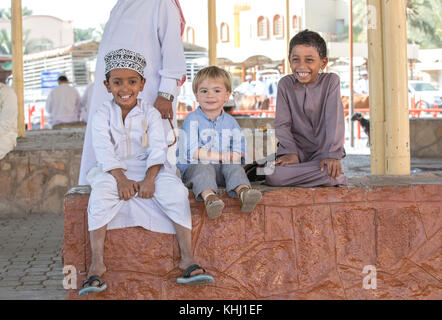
{"x": 43, "y": 32}
{"x": 253, "y": 34}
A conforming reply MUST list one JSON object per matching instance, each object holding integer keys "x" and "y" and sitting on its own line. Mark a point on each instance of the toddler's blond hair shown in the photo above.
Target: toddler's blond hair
{"x": 212, "y": 72}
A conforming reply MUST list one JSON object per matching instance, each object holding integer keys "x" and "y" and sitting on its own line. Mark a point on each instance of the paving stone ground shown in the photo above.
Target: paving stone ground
{"x": 30, "y": 258}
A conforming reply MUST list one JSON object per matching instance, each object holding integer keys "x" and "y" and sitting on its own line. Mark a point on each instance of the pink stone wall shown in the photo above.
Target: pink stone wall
{"x": 297, "y": 244}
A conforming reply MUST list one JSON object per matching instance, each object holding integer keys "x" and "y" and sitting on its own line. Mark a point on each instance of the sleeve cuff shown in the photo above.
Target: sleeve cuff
{"x": 157, "y": 156}
{"x": 338, "y": 155}
{"x": 282, "y": 151}
{"x": 114, "y": 165}
{"x": 168, "y": 85}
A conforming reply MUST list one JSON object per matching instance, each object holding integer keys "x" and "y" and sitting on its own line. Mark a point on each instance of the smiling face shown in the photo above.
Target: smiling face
{"x": 305, "y": 63}
{"x": 125, "y": 84}
{"x": 212, "y": 95}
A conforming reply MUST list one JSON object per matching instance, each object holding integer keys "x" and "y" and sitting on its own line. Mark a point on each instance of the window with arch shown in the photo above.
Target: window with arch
{"x": 296, "y": 23}
{"x": 190, "y": 35}
{"x": 224, "y": 32}
{"x": 263, "y": 27}
{"x": 278, "y": 26}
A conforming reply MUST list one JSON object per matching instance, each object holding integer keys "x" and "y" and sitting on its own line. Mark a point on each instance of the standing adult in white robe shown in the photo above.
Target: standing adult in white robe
{"x": 85, "y": 102}
{"x": 153, "y": 29}
{"x": 8, "y": 120}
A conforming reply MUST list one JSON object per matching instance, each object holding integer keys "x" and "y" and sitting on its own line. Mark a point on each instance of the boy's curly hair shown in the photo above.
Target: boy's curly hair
{"x": 309, "y": 38}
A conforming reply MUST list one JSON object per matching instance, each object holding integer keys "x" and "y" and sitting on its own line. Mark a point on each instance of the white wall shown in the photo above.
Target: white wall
{"x": 60, "y": 32}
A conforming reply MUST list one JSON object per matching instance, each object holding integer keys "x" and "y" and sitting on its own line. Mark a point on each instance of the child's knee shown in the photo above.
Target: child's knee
{"x": 203, "y": 170}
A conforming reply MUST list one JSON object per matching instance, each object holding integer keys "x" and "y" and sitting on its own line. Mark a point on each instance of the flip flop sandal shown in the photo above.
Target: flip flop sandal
{"x": 198, "y": 279}
{"x": 90, "y": 288}
{"x": 249, "y": 198}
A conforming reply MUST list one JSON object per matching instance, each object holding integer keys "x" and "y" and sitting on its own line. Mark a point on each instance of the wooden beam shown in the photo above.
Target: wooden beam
{"x": 376, "y": 81}
{"x": 287, "y": 14}
{"x": 212, "y": 32}
{"x": 351, "y": 104}
{"x": 17, "y": 62}
{"x": 397, "y": 123}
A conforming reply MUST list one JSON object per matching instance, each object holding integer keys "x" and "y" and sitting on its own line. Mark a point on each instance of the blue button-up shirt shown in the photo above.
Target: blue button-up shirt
{"x": 199, "y": 131}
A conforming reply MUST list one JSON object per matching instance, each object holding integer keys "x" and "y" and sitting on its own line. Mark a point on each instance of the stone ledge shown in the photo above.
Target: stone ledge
{"x": 297, "y": 244}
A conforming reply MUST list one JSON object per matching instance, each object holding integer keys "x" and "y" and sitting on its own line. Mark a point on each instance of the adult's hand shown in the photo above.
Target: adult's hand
{"x": 334, "y": 167}
{"x": 287, "y": 159}
{"x": 164, "y": 106}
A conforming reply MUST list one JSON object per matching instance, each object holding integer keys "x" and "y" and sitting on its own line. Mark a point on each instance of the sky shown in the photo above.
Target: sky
{"x": 83, "y": 13}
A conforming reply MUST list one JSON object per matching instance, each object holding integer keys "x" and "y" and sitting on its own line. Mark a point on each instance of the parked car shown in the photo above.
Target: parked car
{"x": 425, "y": 92}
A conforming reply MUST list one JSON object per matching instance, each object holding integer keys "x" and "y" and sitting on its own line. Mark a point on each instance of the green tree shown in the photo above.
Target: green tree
{"x": 99, "y": 33}
{"x": 424, "y": 23}
{"x": 5, "y": 35}
{"x": 7, "y": 13}
{"x": 6, "y": 42}
{"x": 84, "y": 34}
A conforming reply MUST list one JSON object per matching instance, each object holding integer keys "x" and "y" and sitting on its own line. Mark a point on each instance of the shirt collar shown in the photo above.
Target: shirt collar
{"x": 136, "y": 110}
{"x": 318, "y": 81}
{"x": 220, "y": 117}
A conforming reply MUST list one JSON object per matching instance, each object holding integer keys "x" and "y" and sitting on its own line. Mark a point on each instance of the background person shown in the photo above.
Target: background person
{"x": 63, "y": 103}
{"x": 8, "y": 119}
{"x": 363, "y": 86}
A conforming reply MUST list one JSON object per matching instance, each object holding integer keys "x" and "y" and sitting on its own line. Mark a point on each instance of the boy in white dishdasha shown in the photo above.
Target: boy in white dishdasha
{"x": 130, "y": 186}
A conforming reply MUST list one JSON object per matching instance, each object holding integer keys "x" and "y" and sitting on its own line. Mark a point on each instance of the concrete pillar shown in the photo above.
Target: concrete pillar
{"x": 397, "y": 123}
{"x": 376, "y": 79}
{"x": 17, "y": 62}
{"x": 212, "y": 32}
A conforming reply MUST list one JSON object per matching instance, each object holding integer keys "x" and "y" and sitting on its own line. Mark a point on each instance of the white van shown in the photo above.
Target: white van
{"x": 425, "y": 92}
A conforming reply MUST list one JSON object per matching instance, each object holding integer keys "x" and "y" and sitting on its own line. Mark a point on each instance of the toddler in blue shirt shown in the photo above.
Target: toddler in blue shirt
{"x": 212, "y": 146}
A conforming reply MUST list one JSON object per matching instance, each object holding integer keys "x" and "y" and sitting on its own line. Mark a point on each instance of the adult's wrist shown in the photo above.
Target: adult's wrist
{"x": 166, "y": 96}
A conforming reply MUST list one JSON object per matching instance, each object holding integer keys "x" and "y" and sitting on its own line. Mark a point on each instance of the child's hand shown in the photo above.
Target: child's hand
{"x": 287, "y": 159}
{"x": 126, "y": 188}
{"x": 226, "y": 157}
{"x": 236, "y": 157}
{"x": 334, "y": 168}
{"x": 147, "y": 188}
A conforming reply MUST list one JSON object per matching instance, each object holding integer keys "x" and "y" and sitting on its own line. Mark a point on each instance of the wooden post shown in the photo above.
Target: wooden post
{"x": 241, "y": 6}
{"x": 351, "y": 103}
{"x": 397, "y": 123}
{"x": 287, "y": 14}
{"x": 212, "y": 32}
{"x": 17, "y": 63}
{"x": 376, "y": 81}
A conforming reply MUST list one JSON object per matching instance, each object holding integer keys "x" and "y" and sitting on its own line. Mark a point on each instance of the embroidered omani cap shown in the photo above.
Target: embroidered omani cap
{"x": 123, "y": 58}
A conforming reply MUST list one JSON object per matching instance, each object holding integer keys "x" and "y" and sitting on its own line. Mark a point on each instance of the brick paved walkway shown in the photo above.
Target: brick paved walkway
{"x": 30, "y": 257}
